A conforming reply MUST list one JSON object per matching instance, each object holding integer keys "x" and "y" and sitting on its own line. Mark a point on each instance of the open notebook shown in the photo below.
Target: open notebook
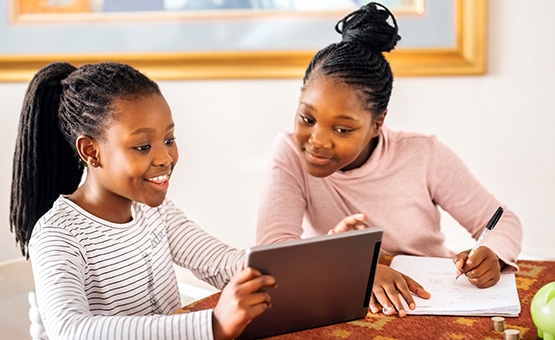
{"x": 436, "y": 275}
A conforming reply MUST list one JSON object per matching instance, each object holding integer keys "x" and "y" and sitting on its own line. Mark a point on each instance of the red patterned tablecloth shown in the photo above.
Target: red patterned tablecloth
{"x": 532, "y": 276}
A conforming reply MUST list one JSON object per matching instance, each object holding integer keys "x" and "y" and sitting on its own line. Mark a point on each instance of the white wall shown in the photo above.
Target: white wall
{"x": 501, "y": 124}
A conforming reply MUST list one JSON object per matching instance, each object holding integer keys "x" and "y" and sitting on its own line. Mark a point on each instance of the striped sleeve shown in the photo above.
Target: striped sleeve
{"x": 193, "y": 248}
{"x": 64, "y": 269}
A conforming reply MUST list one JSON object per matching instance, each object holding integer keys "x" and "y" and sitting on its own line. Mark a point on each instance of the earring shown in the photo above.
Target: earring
{"x": 93, "y": 164}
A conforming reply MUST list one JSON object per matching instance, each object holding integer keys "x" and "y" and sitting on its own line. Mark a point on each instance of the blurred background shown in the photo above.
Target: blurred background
{"x": 502, "y": 124}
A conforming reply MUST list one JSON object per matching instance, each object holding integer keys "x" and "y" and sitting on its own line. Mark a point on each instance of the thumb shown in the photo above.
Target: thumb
{"x": 460, "y": 259}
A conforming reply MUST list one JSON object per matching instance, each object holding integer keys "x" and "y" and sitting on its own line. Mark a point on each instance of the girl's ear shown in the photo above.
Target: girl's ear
{"x": 378, "y": 123}
{"x": 88, "y": 150}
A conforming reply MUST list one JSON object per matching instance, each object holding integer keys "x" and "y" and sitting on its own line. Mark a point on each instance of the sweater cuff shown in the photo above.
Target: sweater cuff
{"x": 198, "y": 325}
{"x": 506, "y": 257}
{"x": 509, "y": 267}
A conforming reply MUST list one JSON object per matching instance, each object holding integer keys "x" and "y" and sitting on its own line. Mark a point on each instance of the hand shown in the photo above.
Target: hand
{"x": 241, "y": 301}
{"x": 482, "y": 269}
{"x": 388, "y": 284}
{"x": 353, "y": 222}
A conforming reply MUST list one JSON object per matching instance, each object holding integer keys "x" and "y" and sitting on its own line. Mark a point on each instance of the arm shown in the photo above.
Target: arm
{"x": 60, "y": 267}
{"x": 283, "y": 201}
{"x": 458, "y": 192}
{"x": 193, "y": 248}
{"x": 211, "y": 260}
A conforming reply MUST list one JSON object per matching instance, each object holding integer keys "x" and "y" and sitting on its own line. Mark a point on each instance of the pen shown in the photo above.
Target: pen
{"x": 492, "y": 222}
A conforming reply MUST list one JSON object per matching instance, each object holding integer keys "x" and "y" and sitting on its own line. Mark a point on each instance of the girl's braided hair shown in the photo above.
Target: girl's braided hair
{"x": 358, "y": 59}
{"x": 62, "y": 102}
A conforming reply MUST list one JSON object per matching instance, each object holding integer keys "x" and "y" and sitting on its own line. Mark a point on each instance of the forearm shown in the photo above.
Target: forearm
{"x": 196, "y": 325}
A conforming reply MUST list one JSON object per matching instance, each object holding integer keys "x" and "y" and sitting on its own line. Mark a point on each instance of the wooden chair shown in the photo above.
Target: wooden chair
{"x": 16, "y": 278}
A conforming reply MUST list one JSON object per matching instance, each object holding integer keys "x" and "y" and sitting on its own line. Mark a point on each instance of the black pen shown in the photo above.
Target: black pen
{"x": 492, "y": 222}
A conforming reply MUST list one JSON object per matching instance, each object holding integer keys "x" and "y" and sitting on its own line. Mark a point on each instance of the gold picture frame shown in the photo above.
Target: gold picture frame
{"x": 468, "y": 57}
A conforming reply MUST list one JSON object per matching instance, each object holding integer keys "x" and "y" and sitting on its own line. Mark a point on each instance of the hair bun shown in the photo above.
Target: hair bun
{"x": 368, "y": 26}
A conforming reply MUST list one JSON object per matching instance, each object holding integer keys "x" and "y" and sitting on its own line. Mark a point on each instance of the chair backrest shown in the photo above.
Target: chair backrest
{"x": 16, "y": 277}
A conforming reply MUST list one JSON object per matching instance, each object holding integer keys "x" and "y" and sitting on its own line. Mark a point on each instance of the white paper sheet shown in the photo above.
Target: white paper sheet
{"x": 436, "y": 275}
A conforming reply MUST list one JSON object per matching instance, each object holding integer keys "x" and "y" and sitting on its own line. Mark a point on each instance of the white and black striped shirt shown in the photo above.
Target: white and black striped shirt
{"x": 101, "y": 280}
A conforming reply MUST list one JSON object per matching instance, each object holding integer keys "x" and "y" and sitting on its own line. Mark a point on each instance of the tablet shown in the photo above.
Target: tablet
{"x": 320, "y": 281}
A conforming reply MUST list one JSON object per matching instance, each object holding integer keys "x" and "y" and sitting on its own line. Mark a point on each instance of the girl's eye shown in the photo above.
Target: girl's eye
{"x": 170, "y": 141}
{"x": 343, "y": 130}
{"x": 307, "y": 120}
{"x": 143, "y": 148}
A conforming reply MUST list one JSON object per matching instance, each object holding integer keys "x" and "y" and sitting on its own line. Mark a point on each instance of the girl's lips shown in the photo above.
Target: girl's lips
{"x": 159, "y": 179}
{"x": 160, "y": 182}
{"x": 317, "y": 159}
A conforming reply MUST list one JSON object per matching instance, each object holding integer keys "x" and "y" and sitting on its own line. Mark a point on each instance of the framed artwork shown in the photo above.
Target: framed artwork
{"x": 223, "y": 39}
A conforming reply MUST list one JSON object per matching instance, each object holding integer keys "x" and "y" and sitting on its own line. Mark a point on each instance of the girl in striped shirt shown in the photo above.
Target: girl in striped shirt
{"x": 102, "y": 249}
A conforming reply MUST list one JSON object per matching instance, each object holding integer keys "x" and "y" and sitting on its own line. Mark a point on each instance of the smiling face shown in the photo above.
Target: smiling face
{"x": 333, "y": 128}
{"x": 139, "y": 150}
{"x": 135, "y": 156}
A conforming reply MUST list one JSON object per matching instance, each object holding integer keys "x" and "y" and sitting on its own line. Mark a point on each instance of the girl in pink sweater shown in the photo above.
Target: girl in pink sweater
{"x": 341, "y": 160}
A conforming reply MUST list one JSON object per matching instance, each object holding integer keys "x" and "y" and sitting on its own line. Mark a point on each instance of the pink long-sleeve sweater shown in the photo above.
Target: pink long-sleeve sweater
{"x": 399, "y": 188}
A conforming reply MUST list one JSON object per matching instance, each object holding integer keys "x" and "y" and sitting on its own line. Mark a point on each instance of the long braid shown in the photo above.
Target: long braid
{"x": 358, "y": 59}
{"x": 40, "y": 152}
{"x": 62, "y": 103}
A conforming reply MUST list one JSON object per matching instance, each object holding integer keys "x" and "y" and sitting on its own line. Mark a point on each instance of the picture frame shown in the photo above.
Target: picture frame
{"x": 467, "y": 56}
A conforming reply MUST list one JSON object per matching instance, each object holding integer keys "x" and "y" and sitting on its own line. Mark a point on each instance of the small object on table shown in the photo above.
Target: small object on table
{"x": 498, "y": 323}
{"x": 512, "y": 334}
{"x": 542, "y": 310}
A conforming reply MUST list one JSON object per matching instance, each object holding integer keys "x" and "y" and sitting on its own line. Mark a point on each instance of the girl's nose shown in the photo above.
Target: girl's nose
{"x": 163, "y": 158}
{"x": 320, "y": 140}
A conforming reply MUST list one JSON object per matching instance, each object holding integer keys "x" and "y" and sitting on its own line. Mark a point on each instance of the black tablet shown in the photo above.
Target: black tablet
{"x": 320, "y": 281}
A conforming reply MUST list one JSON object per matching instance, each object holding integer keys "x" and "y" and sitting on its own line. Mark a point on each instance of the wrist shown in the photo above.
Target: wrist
{"x": 216, "y": 328}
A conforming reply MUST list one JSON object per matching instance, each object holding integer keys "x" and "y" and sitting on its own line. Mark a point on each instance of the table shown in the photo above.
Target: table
{"x": 532, "y": 276}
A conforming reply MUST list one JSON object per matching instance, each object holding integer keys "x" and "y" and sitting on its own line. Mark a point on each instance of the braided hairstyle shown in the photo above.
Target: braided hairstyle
{"x": 358, "y": 59}
{"x": 62, "y": 103}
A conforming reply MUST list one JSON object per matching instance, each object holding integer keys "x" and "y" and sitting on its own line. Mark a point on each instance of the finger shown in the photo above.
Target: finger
{"x": 354, "y": 219}
{"x": 257, "y": 298}
{"x": 374, "y": 305}
{"x": 481, "y": 255}
{"x": 393, "y": 295}
{"x": 474, "y": 261}
{"x": 251, "y": 280}
{"x": 351, "y": 222}
{"x": 256, "y": 310}
{"x": 487, "y": 280}
{"x": 488, "y": 273}
{"x": 356, "y": 222}
{"x": 416, "y": 288}
{"x": 423, "y": 293}
{"x": 459, "y": 260}
{"x": 246, "y": 274}
{"x": 477, "y": 272}
{"x": 256, "y": 283}
{"x": 383, "y": 299}
{"x": 459, "y": 264}
{"x": 405, "y": 292}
